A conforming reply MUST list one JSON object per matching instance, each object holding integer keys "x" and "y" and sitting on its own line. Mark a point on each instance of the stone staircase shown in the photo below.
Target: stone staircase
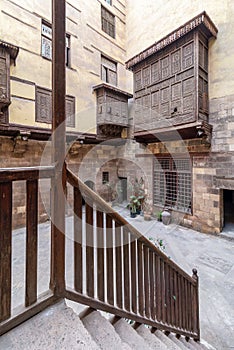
{"x": 59, "y": 327}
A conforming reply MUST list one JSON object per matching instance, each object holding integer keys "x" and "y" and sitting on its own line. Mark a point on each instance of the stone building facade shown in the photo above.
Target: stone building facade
{"x": 105, "y": 147}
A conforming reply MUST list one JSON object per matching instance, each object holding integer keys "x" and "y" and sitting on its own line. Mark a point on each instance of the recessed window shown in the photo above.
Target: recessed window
{"x": 46, "y": 43}
{"x": 108, "y": 71}
{"x": 105, "y": 177}
{"x": 173, "y": 183}
{"x": 46, "y": 40}
{"x": 108, "y": 22}
{"x": 67, "y": 52}
{"x": 108, "y": 2}
{"x": 44, "y": 107}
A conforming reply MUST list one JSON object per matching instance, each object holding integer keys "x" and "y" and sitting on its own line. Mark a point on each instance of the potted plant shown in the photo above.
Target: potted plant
{"x": 133, "y": 205}
{"x": 139, "y": 192}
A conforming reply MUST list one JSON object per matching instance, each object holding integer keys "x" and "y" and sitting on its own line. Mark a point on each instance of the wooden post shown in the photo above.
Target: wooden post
{"x": 196, "y": 306}
{"x": 57, "y": 281}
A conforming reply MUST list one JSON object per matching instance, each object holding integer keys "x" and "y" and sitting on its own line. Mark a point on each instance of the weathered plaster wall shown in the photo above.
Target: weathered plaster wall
{"x": 21, "y": 26}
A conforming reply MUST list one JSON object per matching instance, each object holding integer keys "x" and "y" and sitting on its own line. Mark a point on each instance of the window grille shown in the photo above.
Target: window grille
{"x": 108, "y": 71}
{"x": 108, "y": 22}
{"x": 173, "y": 183}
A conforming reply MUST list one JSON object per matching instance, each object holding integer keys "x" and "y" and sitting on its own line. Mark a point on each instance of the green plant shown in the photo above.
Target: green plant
{"x": 159, "y": 215}
{"x": 133, "y": 204}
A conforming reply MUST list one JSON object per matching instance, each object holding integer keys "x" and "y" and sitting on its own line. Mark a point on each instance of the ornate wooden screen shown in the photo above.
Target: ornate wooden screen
{"x": 171, "y": 77}
{"x": 44, "y": 107}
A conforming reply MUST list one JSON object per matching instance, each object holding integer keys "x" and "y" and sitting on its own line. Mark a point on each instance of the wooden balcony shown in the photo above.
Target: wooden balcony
{"x": 112, "y": 110}
{"x": 171, "y": 84}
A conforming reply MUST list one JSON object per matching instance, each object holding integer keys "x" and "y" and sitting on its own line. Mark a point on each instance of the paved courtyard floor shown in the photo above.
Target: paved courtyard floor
{"x": 213, "y": 256}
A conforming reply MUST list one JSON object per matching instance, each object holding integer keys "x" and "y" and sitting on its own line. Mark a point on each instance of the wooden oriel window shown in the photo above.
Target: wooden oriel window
{"x": 44, "y": 107}
{"x": 108, "y": 71}
{"x": 46, "y": 43}
{"x": 108, "y": 22}
{"x": 173, "y": 183}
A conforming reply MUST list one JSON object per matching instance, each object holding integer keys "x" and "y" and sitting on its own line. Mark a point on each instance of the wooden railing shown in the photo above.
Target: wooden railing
{"x": 33, "y": 304}
{"x": 116, "y": 269}
{"x": 126, "y": 274}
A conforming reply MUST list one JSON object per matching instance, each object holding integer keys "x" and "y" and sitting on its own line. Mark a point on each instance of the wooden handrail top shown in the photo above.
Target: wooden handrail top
{"x": 26, "y": 173}
{"x": 74, "y": 181}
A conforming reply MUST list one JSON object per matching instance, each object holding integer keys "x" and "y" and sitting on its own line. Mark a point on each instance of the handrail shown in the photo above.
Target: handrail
{"x": 104, "y": 206}
{"x": 143, "y": 285}
{"x": 26, "y": 173}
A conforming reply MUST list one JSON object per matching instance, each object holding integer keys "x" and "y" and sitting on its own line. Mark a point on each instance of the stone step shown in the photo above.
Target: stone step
{"x": 60, "y": 327}
{"x": 102, "y": 331}
{"x": 152, "y": 341}
{"x": 128, "y": 335}
{"x": 56, "y": 328}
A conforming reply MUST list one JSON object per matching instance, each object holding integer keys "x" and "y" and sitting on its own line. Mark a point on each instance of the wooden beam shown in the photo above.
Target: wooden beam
{"x": 57, "y": 281}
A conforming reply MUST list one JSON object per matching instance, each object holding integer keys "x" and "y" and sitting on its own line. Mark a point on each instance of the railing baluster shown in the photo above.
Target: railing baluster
{"x": 126, "y": 269}
{"x": 109, "y": 256}
{"x": 89, "y": 251}
{"x": 100, "y": 256}
{"x": 183, "y": 297}
{"x": 133, "y": 274}
{"x": 158, "y": 289}
{"x": 140, "y": 278}
{"x": 78, "y": 264}
{"x": 180, "y": 318}
{"x": 152, "y": 285}
{"x": 5, "y": 249}
{"x": 186, "y": 303}
{"x": 118, "y": 259}
{"x": 189, "y": 310}
{"x": 146, "y": 280}
{"x": 195, "y": 301}
{"x": 163, "y": 288}
{"x": 176, "y": 299}
{"x": 172, "y": 297}
{"x": 31, "y": 242}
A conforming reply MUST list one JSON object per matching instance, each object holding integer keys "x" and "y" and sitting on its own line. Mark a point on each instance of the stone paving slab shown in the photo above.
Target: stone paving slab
{"x": 213, "y": 256}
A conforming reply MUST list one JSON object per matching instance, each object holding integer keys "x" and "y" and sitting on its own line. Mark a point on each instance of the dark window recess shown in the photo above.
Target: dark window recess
{"x": 46, "y": 43}
{"x": 108, "y": 22}
{"x": 68, "y": 51}
{"x": 108, "y": 71}
{"x": 105, "y": 177}
{"x": 44, "y": 107}
{"x": 173, "y": 183}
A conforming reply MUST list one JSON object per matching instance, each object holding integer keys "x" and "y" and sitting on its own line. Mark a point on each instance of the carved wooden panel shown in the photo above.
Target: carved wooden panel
{"x": 44, "y": 107}
{"x": 70, "y": 111}
{"x": 146, "y": 76}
